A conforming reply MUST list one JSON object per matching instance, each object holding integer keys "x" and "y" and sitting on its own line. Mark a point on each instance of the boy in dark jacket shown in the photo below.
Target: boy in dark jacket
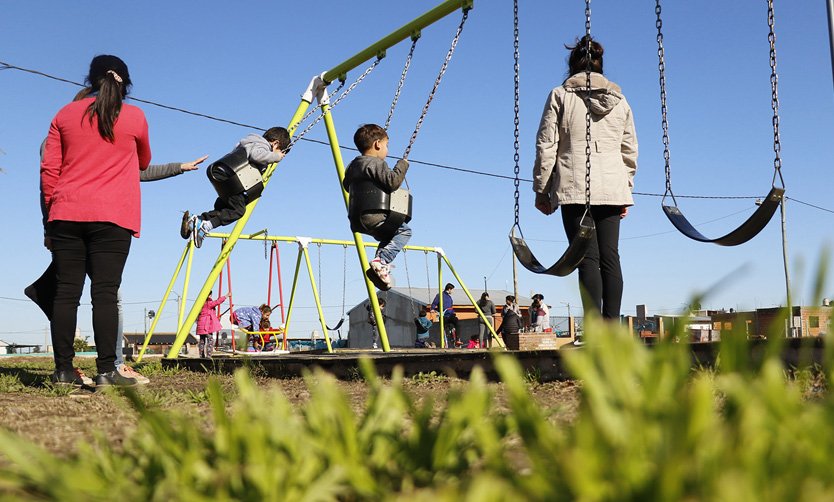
{"x": 372, "y": 141}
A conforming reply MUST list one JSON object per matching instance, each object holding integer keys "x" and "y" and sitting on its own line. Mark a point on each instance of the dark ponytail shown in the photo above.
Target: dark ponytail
{"x": 109, "y": 78}
{"x": 578, "y": 59}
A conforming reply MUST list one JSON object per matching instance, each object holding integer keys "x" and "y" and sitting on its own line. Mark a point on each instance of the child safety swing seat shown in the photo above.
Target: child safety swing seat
{"x": 366, "y": 197}
{"x": 232, "y": 174}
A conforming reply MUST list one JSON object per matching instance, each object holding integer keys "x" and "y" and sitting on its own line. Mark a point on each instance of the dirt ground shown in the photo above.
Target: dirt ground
{"x": 58, "y": 420}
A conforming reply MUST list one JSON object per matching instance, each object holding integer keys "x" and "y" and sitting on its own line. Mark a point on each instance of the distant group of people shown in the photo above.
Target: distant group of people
{"x": 98, "y": 149}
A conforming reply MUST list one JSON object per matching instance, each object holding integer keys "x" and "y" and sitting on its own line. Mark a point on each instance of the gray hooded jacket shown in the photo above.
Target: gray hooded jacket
{"x": 365, "y": 167}
{"x": 560, "y": 144}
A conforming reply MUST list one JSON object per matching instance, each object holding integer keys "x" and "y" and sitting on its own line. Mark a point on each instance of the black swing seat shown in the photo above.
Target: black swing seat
{"x": 366, "y": 197}
{"x": 749, "y": 229}
{"x": 232, "y": 174}
{"x": 568, "y": 262}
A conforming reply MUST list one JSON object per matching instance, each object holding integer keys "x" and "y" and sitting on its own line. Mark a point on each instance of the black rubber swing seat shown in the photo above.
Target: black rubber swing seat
{"x": 746, "y": 231}
{"x": 568, "y": 262}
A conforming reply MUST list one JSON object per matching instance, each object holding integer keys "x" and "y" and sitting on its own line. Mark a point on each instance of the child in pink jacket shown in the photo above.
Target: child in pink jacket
{"x": 208, "y": 324}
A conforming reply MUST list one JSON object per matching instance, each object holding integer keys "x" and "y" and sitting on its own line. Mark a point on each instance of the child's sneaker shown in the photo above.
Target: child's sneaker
{"x": 379, "y": 275}
{"x": 186, "y": 227}
{"x": 198, "y": 233}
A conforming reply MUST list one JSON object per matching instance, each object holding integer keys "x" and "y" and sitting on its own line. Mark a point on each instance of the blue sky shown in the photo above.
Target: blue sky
{"x": 249, "y": 61}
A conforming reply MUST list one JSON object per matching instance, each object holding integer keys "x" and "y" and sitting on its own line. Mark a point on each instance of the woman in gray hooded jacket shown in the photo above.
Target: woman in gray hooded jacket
{"x": 559, "y": 171}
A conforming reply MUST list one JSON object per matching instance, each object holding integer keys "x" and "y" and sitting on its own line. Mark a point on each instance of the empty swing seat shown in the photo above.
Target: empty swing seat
{"x": 366, "y": 197}
{"x": 232, "y": 174}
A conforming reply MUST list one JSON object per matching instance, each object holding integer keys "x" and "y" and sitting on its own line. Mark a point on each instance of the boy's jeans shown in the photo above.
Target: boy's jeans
{"x": 389, "y": 249}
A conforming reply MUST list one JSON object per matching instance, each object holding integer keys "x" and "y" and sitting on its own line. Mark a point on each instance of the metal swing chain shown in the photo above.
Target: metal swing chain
{"x": 414, "y": 40}
{"x": 588, "y": 106}
{"x": 774, "y": 99}
{"x": 319, "y": 271}
{"x": 436, "y": 84}
{"x": 344, "y": 277}
{"x": 516, "y": 156}
{"x": 313, "y": 109}
{"x": 408, "y": 279}
{"x": 661, "y": 66}
{"x": 347, "y": 91}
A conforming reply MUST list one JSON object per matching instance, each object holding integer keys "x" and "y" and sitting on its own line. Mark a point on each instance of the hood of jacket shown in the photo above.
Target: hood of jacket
{"x": 604, "y": 94}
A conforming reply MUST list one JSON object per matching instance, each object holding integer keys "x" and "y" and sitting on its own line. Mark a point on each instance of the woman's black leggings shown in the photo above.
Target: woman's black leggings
{"x": 600, "y": 275}
{"x": 80, "y": 249}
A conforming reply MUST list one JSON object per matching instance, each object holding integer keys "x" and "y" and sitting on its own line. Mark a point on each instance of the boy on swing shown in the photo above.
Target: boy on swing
{"x": 372, "y": 142}
{"x": 260, "y": 151}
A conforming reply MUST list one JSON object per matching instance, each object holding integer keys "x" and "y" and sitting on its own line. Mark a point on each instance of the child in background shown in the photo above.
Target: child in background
{"x": 372, "y": 320}
{"x": 423, "y": 325}
{"x": 372, "y": 142}
{"x": 249, "y": 318}
{"x": 208, "y": 324}
{"x": 261, "y": 151}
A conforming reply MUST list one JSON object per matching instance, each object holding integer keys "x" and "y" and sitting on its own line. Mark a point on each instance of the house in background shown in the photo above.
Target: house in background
{"x": 811, "y": 321}
{"x": 402, "y": 305}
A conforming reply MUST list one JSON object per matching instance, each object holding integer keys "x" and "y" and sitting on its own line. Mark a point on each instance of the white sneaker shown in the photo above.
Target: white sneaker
{"x": 374, "y": 346}
{"x": 382, "y": 270}
{"x": 129, "y": 372}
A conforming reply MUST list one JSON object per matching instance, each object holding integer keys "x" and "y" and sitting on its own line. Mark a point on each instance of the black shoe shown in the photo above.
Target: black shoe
{"x": 114, "y": 378}
{"x": 185, "y": 228}
{"x": 67, "y": 377}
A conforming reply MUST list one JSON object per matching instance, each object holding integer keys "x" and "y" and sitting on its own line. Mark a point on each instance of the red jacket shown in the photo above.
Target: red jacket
{"x": 85, "y": 177}
{"x": 207, "y": 321}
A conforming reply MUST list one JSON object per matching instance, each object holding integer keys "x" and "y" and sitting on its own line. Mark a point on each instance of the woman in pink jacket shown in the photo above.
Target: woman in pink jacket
{"x": 208, "y": 324}
{"x": 94, "y": 151}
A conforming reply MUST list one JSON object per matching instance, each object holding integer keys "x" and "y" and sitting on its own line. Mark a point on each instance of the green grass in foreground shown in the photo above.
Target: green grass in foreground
{"x": 647, "y": 429}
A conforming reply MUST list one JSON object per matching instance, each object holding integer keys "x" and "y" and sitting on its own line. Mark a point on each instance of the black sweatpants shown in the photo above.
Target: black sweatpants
{"x": 226, "y": 211}
{"x": 600, "y": 275}
{"x": 81, "y": 249}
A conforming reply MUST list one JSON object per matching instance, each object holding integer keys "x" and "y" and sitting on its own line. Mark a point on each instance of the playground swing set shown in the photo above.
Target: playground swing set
{"x": 398, "y": 205}
{"x": 303, "y": 244}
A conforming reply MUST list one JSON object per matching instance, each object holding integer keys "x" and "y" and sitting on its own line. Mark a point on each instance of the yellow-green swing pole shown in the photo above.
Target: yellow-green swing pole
{"x": 357, "y": 237}
{"x": 440, "y": 253}
{"x": 440, "y": 300}
{"x": 316, "y": 296}
{"x": 292, "y": 292}
{"x": 164, "y": 300}
{"x": 184, "y": 296}
{"x": 182, "y": 331}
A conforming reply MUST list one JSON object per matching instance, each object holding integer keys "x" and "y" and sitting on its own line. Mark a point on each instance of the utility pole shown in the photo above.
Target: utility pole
{"x": 790, "y": 332}
{"x": 146, "y": 322}
{"x": 515, "y": 280}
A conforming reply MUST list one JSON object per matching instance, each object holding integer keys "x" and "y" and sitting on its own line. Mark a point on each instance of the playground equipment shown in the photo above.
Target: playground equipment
{"x": 303, "y": 244}
{"x": 760, "y": 218}
{"x": 317, "y": 90}
{"x": 578, "y": 246}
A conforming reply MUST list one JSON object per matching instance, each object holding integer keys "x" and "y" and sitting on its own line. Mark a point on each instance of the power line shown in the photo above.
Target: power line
{"x": 8, "y": 66}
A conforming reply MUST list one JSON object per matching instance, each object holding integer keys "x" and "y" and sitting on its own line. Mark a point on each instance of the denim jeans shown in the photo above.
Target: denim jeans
{"x": 98, "y": 250}
{"x": 389, "y": 249}
{"x": 600, "y": 274}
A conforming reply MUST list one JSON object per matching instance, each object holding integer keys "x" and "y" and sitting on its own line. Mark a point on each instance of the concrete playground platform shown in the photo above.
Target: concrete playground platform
{"x": 543, "y": 365}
